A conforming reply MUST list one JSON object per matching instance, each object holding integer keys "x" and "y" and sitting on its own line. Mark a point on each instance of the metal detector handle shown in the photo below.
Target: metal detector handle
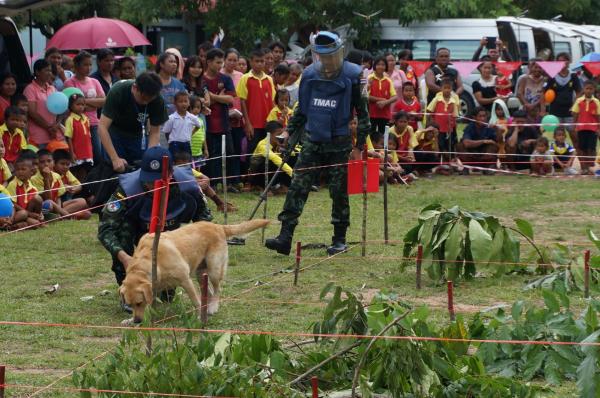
{"x": 263, "y": 195}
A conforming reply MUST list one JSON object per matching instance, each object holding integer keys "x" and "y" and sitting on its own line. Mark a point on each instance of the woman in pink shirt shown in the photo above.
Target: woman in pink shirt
{"x": 8, "y": 88}
{"x": 93, "y": 93}
{"x": 42, "y": 124}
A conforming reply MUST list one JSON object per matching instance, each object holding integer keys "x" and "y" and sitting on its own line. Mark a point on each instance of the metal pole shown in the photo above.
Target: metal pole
{"x": 385, "y": 185}
{"x": 267, "y": 153}
{"x": 30, "y": 36}
{"x": 364, "y": 221}
{"x": 224, "y": 174}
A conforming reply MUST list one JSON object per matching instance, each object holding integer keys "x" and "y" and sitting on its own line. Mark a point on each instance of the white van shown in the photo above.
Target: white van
{"x": 590, "y": 35}
{"x": 548, "y": 36}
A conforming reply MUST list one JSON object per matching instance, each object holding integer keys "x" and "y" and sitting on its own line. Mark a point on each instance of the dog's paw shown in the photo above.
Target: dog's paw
{"x": 128, "y": 322}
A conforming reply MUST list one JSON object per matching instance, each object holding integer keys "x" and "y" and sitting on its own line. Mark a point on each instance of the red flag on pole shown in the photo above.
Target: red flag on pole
{"x": 592, "y": 67}
{"x": 355, "y": 176}
{"x": 507, "y": 68}
{"x": 419, "y": 67}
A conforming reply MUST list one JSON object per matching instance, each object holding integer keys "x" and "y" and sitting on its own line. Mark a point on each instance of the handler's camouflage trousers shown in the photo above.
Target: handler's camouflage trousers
{"x": 312, "y": 156}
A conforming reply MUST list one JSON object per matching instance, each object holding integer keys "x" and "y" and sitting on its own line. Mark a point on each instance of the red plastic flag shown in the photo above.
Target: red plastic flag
{"x": 592, "y": 67}
{"x": 355, "y": 176}
{"x": 507, "y": 68}
{"x": 419, "y": 67}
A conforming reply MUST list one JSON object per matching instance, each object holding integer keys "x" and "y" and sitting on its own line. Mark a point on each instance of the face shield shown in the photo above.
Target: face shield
{"x": 328, "y": 54}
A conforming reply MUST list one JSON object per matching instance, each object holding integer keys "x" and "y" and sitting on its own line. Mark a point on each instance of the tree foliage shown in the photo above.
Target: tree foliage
{"x": 247, "y": 23}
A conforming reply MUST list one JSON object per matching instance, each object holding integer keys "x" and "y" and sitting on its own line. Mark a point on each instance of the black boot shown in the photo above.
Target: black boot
{"x": 283, "y": 242}
{"x": 338, "y": 241}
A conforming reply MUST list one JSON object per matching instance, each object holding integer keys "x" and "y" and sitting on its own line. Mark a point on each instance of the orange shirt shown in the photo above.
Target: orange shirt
{"x": 258, "y": 92}
{"x": 382, "y": 88}
{"x": 21, "y": 192}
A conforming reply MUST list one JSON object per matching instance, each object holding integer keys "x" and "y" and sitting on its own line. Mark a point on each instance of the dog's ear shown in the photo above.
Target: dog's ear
{"x": 147, "y": 291}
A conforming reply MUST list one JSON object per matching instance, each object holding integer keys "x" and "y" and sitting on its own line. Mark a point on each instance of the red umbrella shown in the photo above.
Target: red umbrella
{"x": 94, "y": 33}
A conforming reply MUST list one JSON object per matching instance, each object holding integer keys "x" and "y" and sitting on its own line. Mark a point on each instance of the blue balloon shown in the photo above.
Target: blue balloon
{"x": 6, "y": 206}
{"x": 57, "y": 103}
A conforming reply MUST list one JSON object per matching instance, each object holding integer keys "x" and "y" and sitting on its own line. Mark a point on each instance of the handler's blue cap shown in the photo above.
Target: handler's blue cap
{"x": 151, "y": 167}
{"x": 327, "y": 42}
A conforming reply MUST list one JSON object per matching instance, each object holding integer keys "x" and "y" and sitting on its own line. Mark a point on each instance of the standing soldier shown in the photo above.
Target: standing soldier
{"x": 330, "y": 91}
{"x": 127, "y": 214}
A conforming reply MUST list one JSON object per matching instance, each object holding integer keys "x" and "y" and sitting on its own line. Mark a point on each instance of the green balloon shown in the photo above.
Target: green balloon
{"x": 69, "y": 91}
{"x": 550, "y": 123}
{"x": 32, "y": 147}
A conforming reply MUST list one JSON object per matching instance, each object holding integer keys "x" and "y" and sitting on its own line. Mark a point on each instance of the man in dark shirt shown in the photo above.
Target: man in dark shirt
{"x": 520, "y": 141}
{"x": 481, "y": 140}
{"x": 123, "y": 126}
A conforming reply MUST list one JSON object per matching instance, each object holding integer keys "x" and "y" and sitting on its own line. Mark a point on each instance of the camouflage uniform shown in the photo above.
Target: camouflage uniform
{"x": 121, "y": 227}
{"x": 316, "y": 154}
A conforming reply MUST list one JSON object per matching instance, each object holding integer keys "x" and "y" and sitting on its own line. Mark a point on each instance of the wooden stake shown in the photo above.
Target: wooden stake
{"x": 204, "y": 299}
{"x": 298, "y": 258}
{"x": 224, "y": 174}
{"x": 419, "y": 261}
{"x": 2, "y": 380}
{"x": 451, "y": 300}
{"x": 586, "y": 274}
{"x": 314, "y": 381}
{"x": 267, "y": 149}
{"x": 364, "y": 220}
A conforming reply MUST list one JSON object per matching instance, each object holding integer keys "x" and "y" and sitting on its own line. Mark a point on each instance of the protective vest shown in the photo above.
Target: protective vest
{"x": 327, "y": 103}
{"x": 141, "y": 206}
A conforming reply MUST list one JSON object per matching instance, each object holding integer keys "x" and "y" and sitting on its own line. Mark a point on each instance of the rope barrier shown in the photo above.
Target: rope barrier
{"x": 97, "y": 390}
{"x": 300, "y": 334}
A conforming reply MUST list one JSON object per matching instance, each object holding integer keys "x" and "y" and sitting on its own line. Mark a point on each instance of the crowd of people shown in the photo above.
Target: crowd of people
{"x": 189, "y": 104}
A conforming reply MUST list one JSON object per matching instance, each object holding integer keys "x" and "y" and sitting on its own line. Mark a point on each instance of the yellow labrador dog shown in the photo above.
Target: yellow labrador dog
{"x": 181, "y": 253}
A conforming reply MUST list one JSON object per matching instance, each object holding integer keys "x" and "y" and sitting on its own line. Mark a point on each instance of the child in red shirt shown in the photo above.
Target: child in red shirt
{"x": 444, "y": 107}
{"x": 256, "y": 91}
{"x": 587, "y": 110}
{"x": 12, "y": 133}
{"x": 79, "y": 138}
{"x": 381, "y": 95}
{"x": 409, "y": 104}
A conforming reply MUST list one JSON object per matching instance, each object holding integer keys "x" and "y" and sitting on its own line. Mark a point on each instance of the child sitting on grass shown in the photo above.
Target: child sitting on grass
{"x": 541, "y": 158}
{"x": 394, "y": 170}
{"x": 259, "y": 157}
{"x": 184, "y": 159}
{"x": 406, "y": 141}
{"x": 24, "y": 195}
{"x": 426, "y": 157}
{"x": 51, "y": 188}
{"x": 62, "y": 165}
{"x": 564, "y": 154}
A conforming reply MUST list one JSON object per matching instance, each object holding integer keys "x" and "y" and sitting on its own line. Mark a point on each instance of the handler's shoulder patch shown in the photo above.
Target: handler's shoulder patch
{"x": 113, "y": 207}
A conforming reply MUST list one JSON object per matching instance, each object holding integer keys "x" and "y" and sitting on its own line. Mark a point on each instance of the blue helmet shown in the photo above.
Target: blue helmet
{"x": 328, "y": 54}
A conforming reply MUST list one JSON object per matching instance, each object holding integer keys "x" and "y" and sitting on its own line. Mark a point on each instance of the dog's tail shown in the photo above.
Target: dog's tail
{"x": 244, "y": 228}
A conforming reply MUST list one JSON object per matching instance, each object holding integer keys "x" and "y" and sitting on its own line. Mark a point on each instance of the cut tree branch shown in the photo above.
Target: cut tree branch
{"x": 373, "y": 340}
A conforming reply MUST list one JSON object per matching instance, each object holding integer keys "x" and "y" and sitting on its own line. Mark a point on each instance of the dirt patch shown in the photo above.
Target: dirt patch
{"x": 40, "y": 371}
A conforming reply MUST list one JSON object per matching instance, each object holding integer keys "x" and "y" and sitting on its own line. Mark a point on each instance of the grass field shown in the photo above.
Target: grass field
{"x": 69, "y": 254}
